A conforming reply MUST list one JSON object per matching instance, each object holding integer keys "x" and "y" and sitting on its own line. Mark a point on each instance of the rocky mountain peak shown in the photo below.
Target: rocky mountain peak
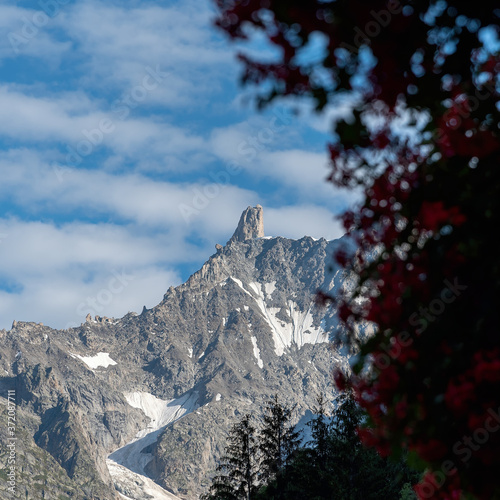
{"x": 251, "y": 225}
{"x": 139, "y": 407}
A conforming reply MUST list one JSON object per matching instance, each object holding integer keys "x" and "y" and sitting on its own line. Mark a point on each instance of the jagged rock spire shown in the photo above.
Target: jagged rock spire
{"x": 251, "y": 225}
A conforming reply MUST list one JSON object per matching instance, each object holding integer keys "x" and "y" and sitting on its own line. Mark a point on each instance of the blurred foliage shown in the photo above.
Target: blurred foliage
{"x": 422, "y": 141}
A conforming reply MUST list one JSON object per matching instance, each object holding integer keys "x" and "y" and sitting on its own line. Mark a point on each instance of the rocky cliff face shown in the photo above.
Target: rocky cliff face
{"x": 139, "y": 407}
{"x": 251, "y": 225}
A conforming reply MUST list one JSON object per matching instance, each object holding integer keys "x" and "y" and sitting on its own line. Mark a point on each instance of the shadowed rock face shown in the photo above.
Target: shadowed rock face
{"x": 251, "y": 225}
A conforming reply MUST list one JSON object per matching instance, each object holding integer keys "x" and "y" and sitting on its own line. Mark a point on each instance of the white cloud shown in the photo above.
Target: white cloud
{"x": 26, "y": 33}
{"x": 34, "y": 118}
{"x": 53, "y": 268}
{"x": 144, "y": 56}
{"x": 260, "y": 147}
{"x": 58, "y": 274}
{"x": 75, "y": 120}
{"x": 119, "y": 41}
{"x": 303, "y": 170}
{"x": 64, "y": 301}
{"x": 246, "y": 141}
{"x": 302, "y": 220}
{"x": 127, "y": 197}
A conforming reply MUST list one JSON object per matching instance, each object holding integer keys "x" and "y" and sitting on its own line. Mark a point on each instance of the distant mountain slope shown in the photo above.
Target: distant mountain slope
{"x": 157, "y": 392}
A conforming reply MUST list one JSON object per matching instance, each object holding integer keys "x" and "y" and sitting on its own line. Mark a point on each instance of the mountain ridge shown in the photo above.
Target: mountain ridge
{"x": 241, "y": 328}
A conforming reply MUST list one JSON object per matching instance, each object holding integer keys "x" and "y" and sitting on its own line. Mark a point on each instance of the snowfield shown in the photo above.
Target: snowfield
{"x": 100, "y": 359}
{"x": 256, "y": 352}
{"x": 132, "y": 486}
{"x": 299, "y": 330}
{"x": 126, "y": 465}
{"x": 161, "y": 411}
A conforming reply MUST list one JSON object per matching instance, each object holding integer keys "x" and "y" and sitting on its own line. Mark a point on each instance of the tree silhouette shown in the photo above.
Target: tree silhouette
{"x": 278, "y": 440}
{"x": 335, "y": 465}
{"x": 237, "y": 471}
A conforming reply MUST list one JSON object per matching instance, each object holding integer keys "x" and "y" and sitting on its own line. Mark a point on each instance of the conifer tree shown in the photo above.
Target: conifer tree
{"x": 320, "y": 430}
{"x": 237, "y": 471}
{"x": 360, "y": 473}
{"x": 278, "y": 440}
{"x": 309, "y": 475}
{"x": 334, "y": 465}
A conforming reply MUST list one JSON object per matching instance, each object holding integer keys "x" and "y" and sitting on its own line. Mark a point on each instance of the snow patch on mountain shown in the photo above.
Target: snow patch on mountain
{"x": 132, "y": 486}
{"x": 100, "y": 359}
{"x": 239, "y": 283}
{"x": 270, "y": 287}
{"x": 256, "y": 287}
{"x": 161, "y": 412}
{"x": 300, "y": 330}
{"x": 256, "y": 352}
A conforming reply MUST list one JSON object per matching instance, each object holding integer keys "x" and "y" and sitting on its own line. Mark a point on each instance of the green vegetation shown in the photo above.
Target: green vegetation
{"x": 270, "y": 464}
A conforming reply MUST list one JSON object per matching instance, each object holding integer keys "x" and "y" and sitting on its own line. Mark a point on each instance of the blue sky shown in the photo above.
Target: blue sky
{"x": 128, "y": 150}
